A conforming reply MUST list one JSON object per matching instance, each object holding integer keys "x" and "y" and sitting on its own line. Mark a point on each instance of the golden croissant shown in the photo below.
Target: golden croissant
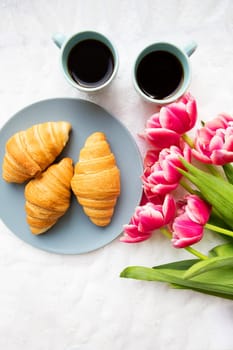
{"x": 96, "y": 181}
{"x": 48, "y": 196}
{"x": 30, "y": 151}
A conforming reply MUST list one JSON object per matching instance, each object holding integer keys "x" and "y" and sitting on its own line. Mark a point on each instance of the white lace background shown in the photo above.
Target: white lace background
{"x": 50, "y": 301}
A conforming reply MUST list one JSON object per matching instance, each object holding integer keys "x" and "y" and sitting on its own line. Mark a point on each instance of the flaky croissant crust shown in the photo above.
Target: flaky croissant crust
{"x": 48, "y": 196}
{"x": 96, "y": 182}
{"x": 30, "y": 151}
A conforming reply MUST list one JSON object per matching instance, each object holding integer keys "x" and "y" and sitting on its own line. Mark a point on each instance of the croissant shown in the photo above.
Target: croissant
{"x": 96, "y": 181}
{"x": 48, "y": 196}
{"x": 30, "y": 151}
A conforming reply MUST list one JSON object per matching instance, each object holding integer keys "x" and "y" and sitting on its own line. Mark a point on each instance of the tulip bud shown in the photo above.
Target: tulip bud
{"x": 163, "y": 177}
{"x": 148, "y": 218}
{"x": 179, "y": 116}
{"x": 188, "y": 227}
{"x": 214, "y": 142}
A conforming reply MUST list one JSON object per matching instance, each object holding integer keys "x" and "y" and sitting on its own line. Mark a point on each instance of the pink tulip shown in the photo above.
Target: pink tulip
{"x": 197, "y": 210}
{"x": 179, "y": 116}
{"x": 186, "y": 232}
{"x": 214, "y": 141}
{"x": 163, "y": 177}
{"x": 153, "y": 122}
{"x": 148, "y": 218}
{"x": 158, "y": 136}
{"x": 164, "y": 129}
{"x": 188, "y": 227}
{"x": 150, "y": 158}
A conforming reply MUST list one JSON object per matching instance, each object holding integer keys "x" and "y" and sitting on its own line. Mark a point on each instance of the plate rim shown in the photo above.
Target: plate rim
{"x": 135, "y": 145}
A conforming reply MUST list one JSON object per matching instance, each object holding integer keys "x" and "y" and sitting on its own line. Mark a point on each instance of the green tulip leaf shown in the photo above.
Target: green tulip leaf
{"x": 217, "y": 282}
{"x": 203, "y": 291}
{"x": 216, "y": 191}
{"x": 208, "y": 265}
{"x": 215, "y": 219}
{"x": 228, "y": 170}
{"x": 222, "y": 250}
{"x": 178, "y": 265}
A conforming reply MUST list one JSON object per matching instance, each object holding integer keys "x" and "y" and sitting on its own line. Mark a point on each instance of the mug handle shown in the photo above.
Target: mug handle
{"x": 59, "y": 39}
{"x": 190, "y": 48}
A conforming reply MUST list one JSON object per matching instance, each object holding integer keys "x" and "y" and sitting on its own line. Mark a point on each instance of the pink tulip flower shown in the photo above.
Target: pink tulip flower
{"x": 164, "y": 129}
{"x": 150, "y": 158}
{"x": 214, "y": 141}
{"x": 163, "y": 177}
{"x": 179, "y": 116}
{"x": 197, "y": 209}
{"x": 160, "y": 137}
{"x": 188, "y": 227}
{"x": 148, "y": 218}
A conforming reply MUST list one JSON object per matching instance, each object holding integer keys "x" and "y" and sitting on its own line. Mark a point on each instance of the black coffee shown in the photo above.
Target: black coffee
{"x": 159, "y": 74}
{"x": 90, "y": 63}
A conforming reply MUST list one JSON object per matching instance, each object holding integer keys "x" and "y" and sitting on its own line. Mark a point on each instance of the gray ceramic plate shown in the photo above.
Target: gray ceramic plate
{"x": 74, "y": 233}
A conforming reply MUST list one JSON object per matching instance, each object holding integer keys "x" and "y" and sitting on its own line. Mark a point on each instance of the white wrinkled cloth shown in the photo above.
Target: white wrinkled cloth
{"x": 50, "y": 301}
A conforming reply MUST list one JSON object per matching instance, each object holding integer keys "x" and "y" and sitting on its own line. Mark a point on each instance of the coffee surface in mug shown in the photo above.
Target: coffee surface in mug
{"x": 90, "y": 63}
{"x": 159, "y": 74}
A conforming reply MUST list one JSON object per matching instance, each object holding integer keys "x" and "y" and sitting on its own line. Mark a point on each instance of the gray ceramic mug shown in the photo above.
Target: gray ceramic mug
{"x": 163, "y": 69}
{"x": 98, "y": 48}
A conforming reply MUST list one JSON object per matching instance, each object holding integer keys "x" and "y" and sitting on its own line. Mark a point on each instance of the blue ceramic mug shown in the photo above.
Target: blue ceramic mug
{"x": 162, "y": 72}
{"x": 89, "y": 60}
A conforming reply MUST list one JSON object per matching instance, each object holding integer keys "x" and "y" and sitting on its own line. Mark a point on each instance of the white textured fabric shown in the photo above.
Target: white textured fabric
{"x": 49, "y": 301}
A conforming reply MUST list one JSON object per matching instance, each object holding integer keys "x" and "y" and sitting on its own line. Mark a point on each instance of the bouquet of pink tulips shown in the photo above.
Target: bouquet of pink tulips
{"x": 206, "y": 203}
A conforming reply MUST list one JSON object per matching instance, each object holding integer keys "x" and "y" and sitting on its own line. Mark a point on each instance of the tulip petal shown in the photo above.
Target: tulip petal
{"x": 184, "y": 242}
{"x": 185, "y": 232}
{"x": 229, "y": 141}
{"x": 185, "y": 227}
{"x": 179, "y": 116}
{"x": 214, "y": 139}
{"x": 221, "y": 157}
{"x": 169, "y": 209}
{"x": 128, "y": 239}
{"x": 191, "y": 109}
{"x": 220, "y": 122}
{"x": 174, "y": 117}
{"x": 162, "y": 138}
{"x": 150, "y": 158}
{"x": 197, "y": 210}
{"x": 153, "y": 121}
{"x": 132, "y": 230}
{"x": 201, "y": 157}
{"x": 217, "y": 142}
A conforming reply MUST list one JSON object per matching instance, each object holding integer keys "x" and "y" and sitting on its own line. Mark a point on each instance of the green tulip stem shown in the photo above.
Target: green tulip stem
{"x": 188, "y": 140}
{"x": 196, "y": 253}
{"x": 191, "y": 250}
{"x": 166, "y": 232}
{"x": 219, "y": 230}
